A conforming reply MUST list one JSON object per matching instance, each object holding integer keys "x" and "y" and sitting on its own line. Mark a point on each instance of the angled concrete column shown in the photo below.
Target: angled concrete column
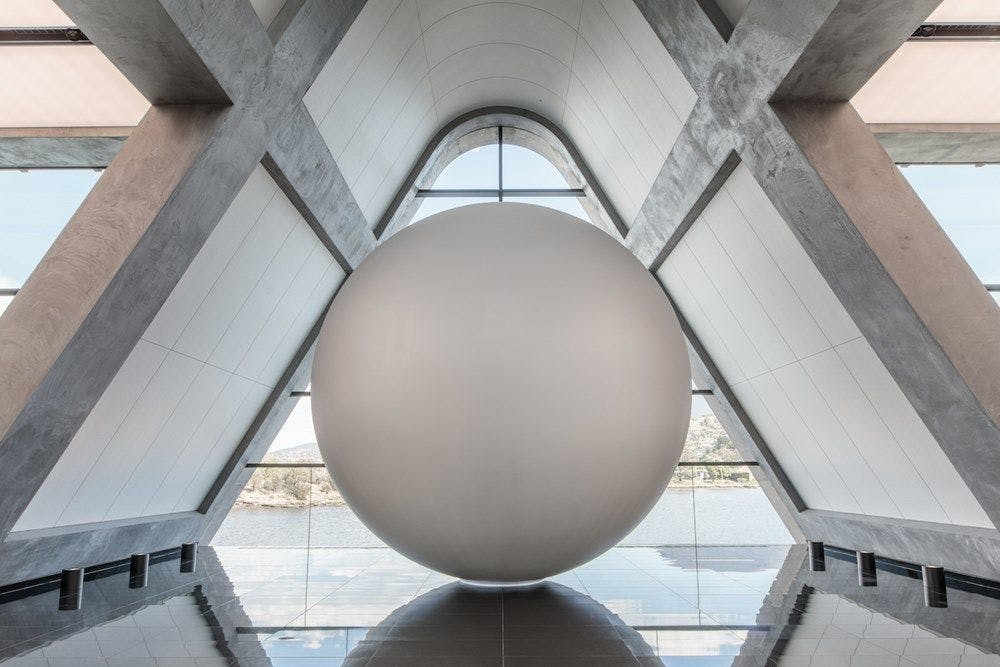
{"x": 914, "y": 296}
{"x": 103, "y": 281}
{"x": 776, "y": 92}
{"x": 299, "y": 160}
{"x": 700, "y": 161}
{"x": 93, "y": 294}
{"x": 144, "y": 42}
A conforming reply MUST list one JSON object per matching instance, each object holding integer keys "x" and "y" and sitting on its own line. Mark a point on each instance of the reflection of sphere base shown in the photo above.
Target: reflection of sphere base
{"x": 501, "y": 392}
{"x": 501, "y": 584}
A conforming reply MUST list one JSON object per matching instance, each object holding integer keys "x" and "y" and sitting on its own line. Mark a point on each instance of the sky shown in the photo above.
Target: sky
{"x": 34, "y": 207}
{"x": 965, "y": 199}
{"x": 478, "y": 169}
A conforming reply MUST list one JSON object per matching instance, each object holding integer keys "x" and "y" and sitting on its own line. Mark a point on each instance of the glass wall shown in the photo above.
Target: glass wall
{"x": 500, "y": 172}
{"x": 713, "y": 497}
{"x": 36, "y": 205}
{"x": 965, "y": 200}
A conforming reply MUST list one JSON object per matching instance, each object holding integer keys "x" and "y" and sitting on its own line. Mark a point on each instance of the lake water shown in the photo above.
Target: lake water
{"x": 724, "y": 517}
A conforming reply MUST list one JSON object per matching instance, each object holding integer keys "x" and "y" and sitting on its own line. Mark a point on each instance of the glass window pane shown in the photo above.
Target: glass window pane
{"x": 272, "y": 510}
{"x": 524, "y": 168}
{"x": 334, "y": 524}
{"x": 671, "y": 520}
{"x": 706, "y": 439}
{"x": 569, "y": 205}
{"x": 36, "y": 206}
{"x": 965, "y": 199}
{"x": 477, "y": 168}
{"x": 731, "y": 508}
{"x": 296, "y": 441}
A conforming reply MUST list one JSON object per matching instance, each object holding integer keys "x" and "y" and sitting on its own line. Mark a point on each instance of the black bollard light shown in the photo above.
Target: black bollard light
{"x": 138, "y": 571}
{"x": 866, "y": 569}
{"x": 189, "y": 556}
{"x": 71, "y": 589}
{"x": 935, "y": 590}
{"x": 817, "y": 557}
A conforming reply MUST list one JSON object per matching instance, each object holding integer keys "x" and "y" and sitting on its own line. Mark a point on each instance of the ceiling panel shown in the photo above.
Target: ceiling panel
{"x": 64, "y": 86}
{"x": 32, "y": 13}
{"x": 578, "y": 63}
{"x": 935, "y": 82}
{"x": 966, "y": 11}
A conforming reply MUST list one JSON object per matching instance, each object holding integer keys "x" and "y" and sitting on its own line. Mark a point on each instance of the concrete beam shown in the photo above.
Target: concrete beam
{"x": 94, "y": 293}
{"x": 688, "y": 34}
{"x": 905, "y": 284}
{"x": 970, "y": 619}
{"x": 60, "y": 147}
{"x": 142, "y": 40}
{"x": 299, "y": 160}
{"x": 699, "y": 163}
{"x": 31, "y": 554}
{"x": 871, "y": 238}
{"x": 849, "y": 41}
{"x": 939, "y": 143}
{"x": 964, "y": 549}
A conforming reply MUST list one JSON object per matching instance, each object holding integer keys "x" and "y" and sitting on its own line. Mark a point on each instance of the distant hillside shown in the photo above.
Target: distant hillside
{"x": 305, "y": 453}
{"x": 299, "y": 487}
{"x": 707, "y": 441}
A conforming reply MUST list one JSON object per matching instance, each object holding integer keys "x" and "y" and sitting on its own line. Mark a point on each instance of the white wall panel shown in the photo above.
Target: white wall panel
{"x": 595, "y": 68}
{"x": 172, "y": 416}
{"x": 627, "y": 72}
{"x": 628, "y": 207}
{"x": 412, "y": 128}
{"x": 921, "y": 449}
{"x": 826, "y": 405}
{"x": 593, "y": 78}
{"x": 501, "y": 23}
{"x": 167, "y": 493}
{"x": 390, "y": 46}
{"x": 640, "y": 38}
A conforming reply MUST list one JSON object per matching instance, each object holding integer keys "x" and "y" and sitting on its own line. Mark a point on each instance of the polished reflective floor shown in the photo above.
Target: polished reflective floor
{"x": 631, "y": 606}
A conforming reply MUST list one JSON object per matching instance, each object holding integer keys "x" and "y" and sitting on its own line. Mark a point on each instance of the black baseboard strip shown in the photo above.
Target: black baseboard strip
{"x": 50, "y": 582}
{"x": 955, "y": 580}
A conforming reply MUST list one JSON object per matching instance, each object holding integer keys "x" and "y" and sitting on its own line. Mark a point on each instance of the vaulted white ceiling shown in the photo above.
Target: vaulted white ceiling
{"x": 407, "y": 67}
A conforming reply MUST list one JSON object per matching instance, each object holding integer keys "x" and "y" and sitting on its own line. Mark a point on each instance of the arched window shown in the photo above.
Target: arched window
{"x": 500, "y": 171}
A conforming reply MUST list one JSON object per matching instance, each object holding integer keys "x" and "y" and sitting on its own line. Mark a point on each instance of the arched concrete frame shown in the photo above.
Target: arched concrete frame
{"x": 522, "y": 128}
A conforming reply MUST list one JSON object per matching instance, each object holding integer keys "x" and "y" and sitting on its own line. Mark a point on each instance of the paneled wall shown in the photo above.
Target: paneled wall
{"x": 407, "y": 67}
{"x": 838, "y": 423}
{"x": 187, "y": 393}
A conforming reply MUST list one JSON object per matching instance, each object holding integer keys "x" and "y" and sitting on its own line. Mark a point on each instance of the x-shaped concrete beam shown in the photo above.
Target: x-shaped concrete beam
{"x": 774, "y": 96}
{"x": 227, "y": 96}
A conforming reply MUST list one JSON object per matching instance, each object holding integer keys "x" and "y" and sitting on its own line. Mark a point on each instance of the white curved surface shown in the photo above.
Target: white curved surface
{"x": 407, "y": 67}
{"x": 501, "y": 392}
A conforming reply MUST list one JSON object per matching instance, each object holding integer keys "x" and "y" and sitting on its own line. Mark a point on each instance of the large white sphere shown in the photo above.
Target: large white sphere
{"x": 501, "y": 392}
